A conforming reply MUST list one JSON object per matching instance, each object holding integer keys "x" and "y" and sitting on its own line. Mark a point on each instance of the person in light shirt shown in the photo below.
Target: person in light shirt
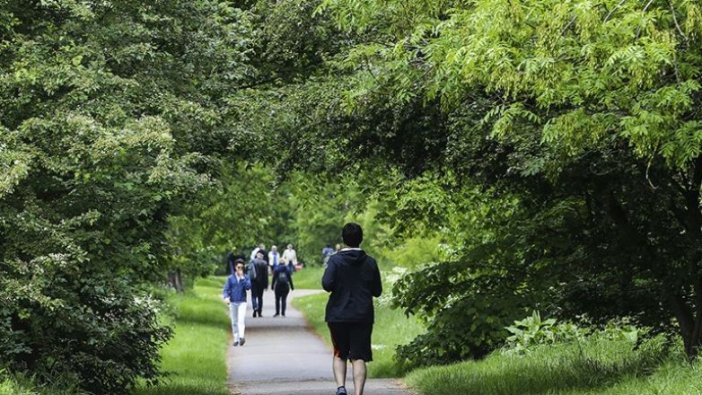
{"x": 290, "y": 256}
{"x": 273, "y": 257}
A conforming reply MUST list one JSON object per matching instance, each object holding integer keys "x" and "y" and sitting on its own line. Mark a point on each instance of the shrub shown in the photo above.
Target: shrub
{"x": 467, "y": 328}
{"x": 96, "y": 331}
{"x": 533, "y": 331}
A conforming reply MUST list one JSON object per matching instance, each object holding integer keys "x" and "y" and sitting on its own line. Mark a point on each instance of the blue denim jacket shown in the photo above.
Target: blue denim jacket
{"x": 235, "y": 289}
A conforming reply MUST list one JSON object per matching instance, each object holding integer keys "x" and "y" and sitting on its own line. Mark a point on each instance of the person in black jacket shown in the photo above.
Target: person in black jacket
{"x": 259, "y": 283}
{"x": 353, "y": 279}
{"x": 282, "y": 284}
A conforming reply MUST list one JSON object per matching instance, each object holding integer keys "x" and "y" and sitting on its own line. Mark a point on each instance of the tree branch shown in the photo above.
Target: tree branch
{"x": 638, "y": 30}
{"x": 612, "y": 11}
{"x": 675, "y": 19}
{"x": 565, "y": 29}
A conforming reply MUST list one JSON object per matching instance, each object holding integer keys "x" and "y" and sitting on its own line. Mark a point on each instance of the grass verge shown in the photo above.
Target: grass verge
{"x": 195, "y": 359}
{"x": 604, "y": 367}
{"x": 19, "y": 385}
{"x": 391, "y": 329}
{"x": 309, "y": 278}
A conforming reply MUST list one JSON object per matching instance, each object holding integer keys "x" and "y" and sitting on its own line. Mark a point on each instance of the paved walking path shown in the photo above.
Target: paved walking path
{"x": 282, "y": 356}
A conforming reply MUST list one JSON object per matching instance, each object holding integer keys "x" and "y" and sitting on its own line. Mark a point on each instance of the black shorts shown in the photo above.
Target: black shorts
{"x": 352, "y": 340}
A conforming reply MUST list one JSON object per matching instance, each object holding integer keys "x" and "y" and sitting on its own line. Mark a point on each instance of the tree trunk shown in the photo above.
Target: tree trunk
{"x": 692, "y": 328}
{"x": 179, "y": 281}
{"x": 175, "y": 280}
{"x": 687, "y": 323}
{"x": 693, "y": 342}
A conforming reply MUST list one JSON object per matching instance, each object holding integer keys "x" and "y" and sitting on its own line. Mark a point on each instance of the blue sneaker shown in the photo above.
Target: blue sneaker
{"x": 341, "y": 391}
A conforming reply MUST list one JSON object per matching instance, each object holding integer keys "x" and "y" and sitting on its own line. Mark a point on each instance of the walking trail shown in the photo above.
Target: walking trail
{"x": 282, "y": 356}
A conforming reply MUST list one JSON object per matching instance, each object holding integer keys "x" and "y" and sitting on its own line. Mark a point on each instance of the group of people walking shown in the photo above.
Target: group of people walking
{"x": 253, "y": 276}
{"x": 350, "y": 276}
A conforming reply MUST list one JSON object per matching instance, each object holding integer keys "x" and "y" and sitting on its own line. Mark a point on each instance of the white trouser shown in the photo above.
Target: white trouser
{"x": 237, "y": 313}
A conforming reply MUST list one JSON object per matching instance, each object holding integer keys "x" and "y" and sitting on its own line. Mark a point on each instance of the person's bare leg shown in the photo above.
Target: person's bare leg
{"x": 359, "y": 375}
{"x": 339, "y": 367}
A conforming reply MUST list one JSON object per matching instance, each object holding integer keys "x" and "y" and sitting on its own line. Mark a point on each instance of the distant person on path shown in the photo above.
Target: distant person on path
{"x": 353, "y": 279}
{"x": 327, "y": 251}
{"x": 234, "y": 294}
{"x": 259, "y": 283}
{"x": 290, "y": 256}
{"x": 261, "y": 247}
{"x": 273, "y": 257}
{"x": 282, "y": 284}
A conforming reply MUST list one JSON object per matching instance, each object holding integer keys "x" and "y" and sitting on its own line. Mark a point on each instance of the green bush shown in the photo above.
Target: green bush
{"x": 96, "y": 332}
{"x": 458, "y": 328}
{"x": 532, "y": 331}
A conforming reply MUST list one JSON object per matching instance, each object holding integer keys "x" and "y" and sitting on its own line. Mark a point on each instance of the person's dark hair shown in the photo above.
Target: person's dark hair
{"x": 352, "y": 234}
{"x": 238, "y": 260}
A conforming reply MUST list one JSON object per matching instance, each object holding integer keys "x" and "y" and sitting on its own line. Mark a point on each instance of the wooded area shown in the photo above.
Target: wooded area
{"x": 511, "y": 155}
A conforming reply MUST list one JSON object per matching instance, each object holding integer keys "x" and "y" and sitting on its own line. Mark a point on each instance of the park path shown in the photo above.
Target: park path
{"x": 282, "y": 356}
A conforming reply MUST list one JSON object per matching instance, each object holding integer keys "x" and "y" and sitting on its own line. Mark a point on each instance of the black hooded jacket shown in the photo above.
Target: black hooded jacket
{"x": 353, "y": 279}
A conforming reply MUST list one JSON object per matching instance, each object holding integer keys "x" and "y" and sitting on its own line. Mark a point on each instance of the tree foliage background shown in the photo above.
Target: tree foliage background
{"x": 113, "y": 116}
{"x": 570, "y": 132}
{"x": 515, "y": 155}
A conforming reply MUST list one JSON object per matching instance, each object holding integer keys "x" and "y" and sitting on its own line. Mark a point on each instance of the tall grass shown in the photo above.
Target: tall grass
{"x": 19, "y": 385}
{"x": 593, "y": 367}
{"x": 10, "y": 386}
{"x": 195, "y": 359}
{"x": 391, "y": 329}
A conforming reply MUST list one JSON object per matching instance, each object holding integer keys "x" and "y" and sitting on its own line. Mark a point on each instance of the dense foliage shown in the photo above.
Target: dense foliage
{"x": 551, "y": 149}
{"x": 570, "y": 132}
{"x": 111, "y": 118}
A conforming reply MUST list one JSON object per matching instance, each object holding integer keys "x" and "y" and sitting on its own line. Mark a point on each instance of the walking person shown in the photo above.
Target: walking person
{"x": 290, "y": 256}
{"x": 273, "y": 257}
{"x": 353, "y": 279}
{"x": 234, "y": 294}
{"x": 259, "y": 283}
{"x": 282, "y": 284}
{"x": 261, "y": 247}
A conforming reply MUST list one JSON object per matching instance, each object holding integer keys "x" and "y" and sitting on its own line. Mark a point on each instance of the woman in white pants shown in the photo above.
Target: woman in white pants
{"x": 234, "y": 294}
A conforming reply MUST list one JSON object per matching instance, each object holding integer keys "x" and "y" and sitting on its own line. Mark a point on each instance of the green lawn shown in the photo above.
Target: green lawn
{"x": 308, "y": 278}
{"x": 391, "y": 329}
{"x": 603, "y": 367}
{"x": 195, "y": 358}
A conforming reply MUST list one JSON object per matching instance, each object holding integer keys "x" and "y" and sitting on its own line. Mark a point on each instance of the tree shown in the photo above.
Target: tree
{"x": 112, "y": 117}
{"x": 584, "y": 112}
